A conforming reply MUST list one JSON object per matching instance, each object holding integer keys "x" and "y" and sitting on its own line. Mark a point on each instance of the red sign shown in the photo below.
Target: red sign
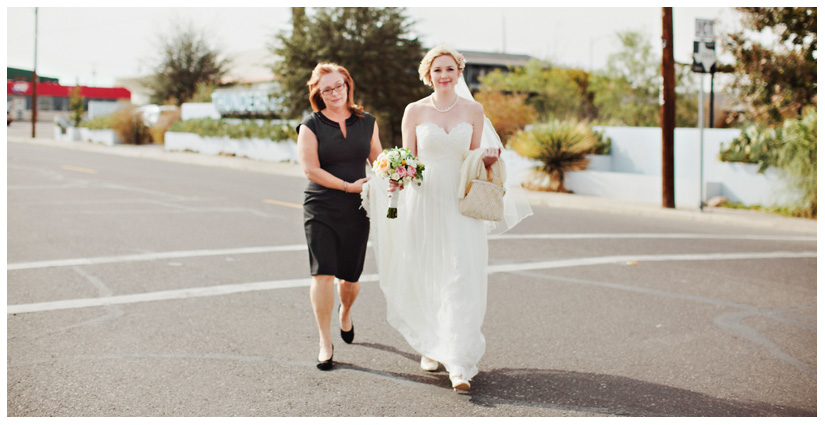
{"x": 19, "y": 88}
{"x": 24, "y": 88}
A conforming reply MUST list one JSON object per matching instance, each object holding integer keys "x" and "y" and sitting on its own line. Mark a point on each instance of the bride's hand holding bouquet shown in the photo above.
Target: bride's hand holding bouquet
{"x": 401, "y": 167}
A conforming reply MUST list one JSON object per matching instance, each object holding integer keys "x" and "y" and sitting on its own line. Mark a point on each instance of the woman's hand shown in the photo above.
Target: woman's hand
{"x": 357, "y": 186}
{"x": 490, "y": 156}
{"x": 394, "y": 185}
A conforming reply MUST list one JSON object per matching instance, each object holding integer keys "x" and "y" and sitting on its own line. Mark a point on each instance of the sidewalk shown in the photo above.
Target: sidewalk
{"x": 710, "y": 214}
{"x": 550, "y": 199}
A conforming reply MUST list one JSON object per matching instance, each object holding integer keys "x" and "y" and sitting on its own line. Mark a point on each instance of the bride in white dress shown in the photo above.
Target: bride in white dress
{"x": 432, "y": 260}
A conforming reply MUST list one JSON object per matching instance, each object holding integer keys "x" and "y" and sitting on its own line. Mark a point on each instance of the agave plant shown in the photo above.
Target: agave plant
{"x": 561, "y": 146}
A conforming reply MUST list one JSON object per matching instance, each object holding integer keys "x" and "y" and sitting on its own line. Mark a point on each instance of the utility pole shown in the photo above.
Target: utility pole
{"x": 34, "y": 80}
{"x": 668, "y": 108}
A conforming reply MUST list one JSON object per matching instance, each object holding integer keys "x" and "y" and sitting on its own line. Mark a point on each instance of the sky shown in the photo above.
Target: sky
{"x": 96, "y": 45}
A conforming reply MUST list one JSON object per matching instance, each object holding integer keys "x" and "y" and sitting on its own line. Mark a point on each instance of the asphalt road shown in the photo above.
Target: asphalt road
{"x": 138, "y": 287}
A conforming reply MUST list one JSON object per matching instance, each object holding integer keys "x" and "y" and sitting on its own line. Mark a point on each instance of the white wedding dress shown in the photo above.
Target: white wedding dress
{"x": 432, "y": 260}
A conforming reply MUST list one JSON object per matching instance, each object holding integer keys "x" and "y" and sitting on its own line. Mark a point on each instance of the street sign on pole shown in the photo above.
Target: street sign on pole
{"x": 704, "y": 30}
{"x": 701, "y": 142}
{"x": 704, "y": 62}
{"x": 704, "y": 57}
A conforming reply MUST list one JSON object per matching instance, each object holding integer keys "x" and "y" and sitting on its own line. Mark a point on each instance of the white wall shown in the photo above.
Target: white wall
{"x": 101, "y": 109}
{"x": 633, "y": 170}
{"x": 190, "y": 111}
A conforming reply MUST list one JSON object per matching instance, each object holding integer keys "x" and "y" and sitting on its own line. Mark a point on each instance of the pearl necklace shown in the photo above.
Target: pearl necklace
{"x": 432, "y": 99}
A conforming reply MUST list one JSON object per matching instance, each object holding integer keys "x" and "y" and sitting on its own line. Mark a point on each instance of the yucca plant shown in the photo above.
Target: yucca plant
{"x": 561, "y": 146}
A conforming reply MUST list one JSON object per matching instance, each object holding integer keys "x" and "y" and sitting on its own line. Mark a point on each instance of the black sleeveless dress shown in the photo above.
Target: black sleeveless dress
{"x": 336, "y": 227}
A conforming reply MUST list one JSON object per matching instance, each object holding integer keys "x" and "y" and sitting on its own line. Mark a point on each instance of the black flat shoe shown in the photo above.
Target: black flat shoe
{"x": 326, "y": 364}
{"x": 349, "y": 335}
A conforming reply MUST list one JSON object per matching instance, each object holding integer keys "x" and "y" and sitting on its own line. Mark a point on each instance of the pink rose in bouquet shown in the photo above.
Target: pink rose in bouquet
{"x": 401, "y": 166}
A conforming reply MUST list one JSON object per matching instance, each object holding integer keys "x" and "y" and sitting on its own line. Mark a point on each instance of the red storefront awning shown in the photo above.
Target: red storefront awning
{"x": 24, "y": 88}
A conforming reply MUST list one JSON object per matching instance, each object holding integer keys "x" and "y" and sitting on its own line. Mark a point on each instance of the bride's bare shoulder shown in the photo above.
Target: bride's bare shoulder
{"x": 471, "y": 106}
{"x": 415, "y": 108}
{"x": 420, "y": 103}
{"x": 470, "y": 103}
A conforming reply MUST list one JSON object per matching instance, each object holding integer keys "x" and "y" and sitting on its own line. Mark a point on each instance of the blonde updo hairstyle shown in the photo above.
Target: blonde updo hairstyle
{"x": 435, "y": 52}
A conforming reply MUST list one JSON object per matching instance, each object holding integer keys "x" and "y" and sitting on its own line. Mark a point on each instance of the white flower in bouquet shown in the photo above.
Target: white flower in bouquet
{"x": 401, "y": 166}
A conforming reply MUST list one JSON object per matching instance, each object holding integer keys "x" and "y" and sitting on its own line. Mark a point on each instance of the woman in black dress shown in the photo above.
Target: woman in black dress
{"x": 334, "y": 144}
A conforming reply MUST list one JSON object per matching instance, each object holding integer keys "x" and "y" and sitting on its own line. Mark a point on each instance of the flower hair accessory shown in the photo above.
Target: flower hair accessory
{"x": 461, "y": 61}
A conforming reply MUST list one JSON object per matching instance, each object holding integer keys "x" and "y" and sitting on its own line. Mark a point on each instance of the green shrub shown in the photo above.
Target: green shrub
{"x": 603, "y": 143}
{"x": 100, "y": 123}
{"x": 561, "y": 146}
{"x": 165, "y": 121}
{"x": 780, "y": 210}
{"x": 76, "y": 106}
{"x": 129, "y": 126}
{"x": 508, "y": 113}
{"x": 203, "y": 92}
{"x": 797, "y": 156}
{"x": 240, "y": 129}
{"x": 756, "y": 145}
{"x": 790, "y": 147}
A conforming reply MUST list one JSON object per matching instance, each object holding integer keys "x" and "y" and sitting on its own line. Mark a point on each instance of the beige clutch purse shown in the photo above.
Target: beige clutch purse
{"x": 484, "y": 199}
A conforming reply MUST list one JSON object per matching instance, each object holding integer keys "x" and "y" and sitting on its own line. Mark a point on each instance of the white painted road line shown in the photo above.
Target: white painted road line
{"x": 623, "y": 259}
{"x": 208, "y": 291}
{"x": 79, "y": 169}
{"x": 154, "y": 256}
{"x": 205, "y": 291}
{"x": 302, "y": 247}
{"x": 652, "y": 236}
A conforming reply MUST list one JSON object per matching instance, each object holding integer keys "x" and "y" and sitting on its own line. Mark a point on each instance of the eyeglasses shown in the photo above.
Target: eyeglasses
{"x": 338, "y": 88}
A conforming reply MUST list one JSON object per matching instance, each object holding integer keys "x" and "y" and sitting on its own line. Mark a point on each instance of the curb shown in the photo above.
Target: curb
{"x": 158, "y": 153}
{"x": 710, "y": 214}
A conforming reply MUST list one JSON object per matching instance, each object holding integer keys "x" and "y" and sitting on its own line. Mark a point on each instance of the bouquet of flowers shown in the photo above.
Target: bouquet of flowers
{"x": 401, "y": 166}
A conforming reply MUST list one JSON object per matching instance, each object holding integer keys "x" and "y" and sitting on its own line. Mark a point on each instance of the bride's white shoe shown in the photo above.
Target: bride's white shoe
{"x": 428, "y": 364}
{"x": 459, "y": 383}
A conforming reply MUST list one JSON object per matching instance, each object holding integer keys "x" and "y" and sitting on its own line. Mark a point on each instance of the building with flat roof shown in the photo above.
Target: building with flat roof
{"x": 52, "y": 98}
{"x": 17, "y": 74}
{"x": 480, "y": 64}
